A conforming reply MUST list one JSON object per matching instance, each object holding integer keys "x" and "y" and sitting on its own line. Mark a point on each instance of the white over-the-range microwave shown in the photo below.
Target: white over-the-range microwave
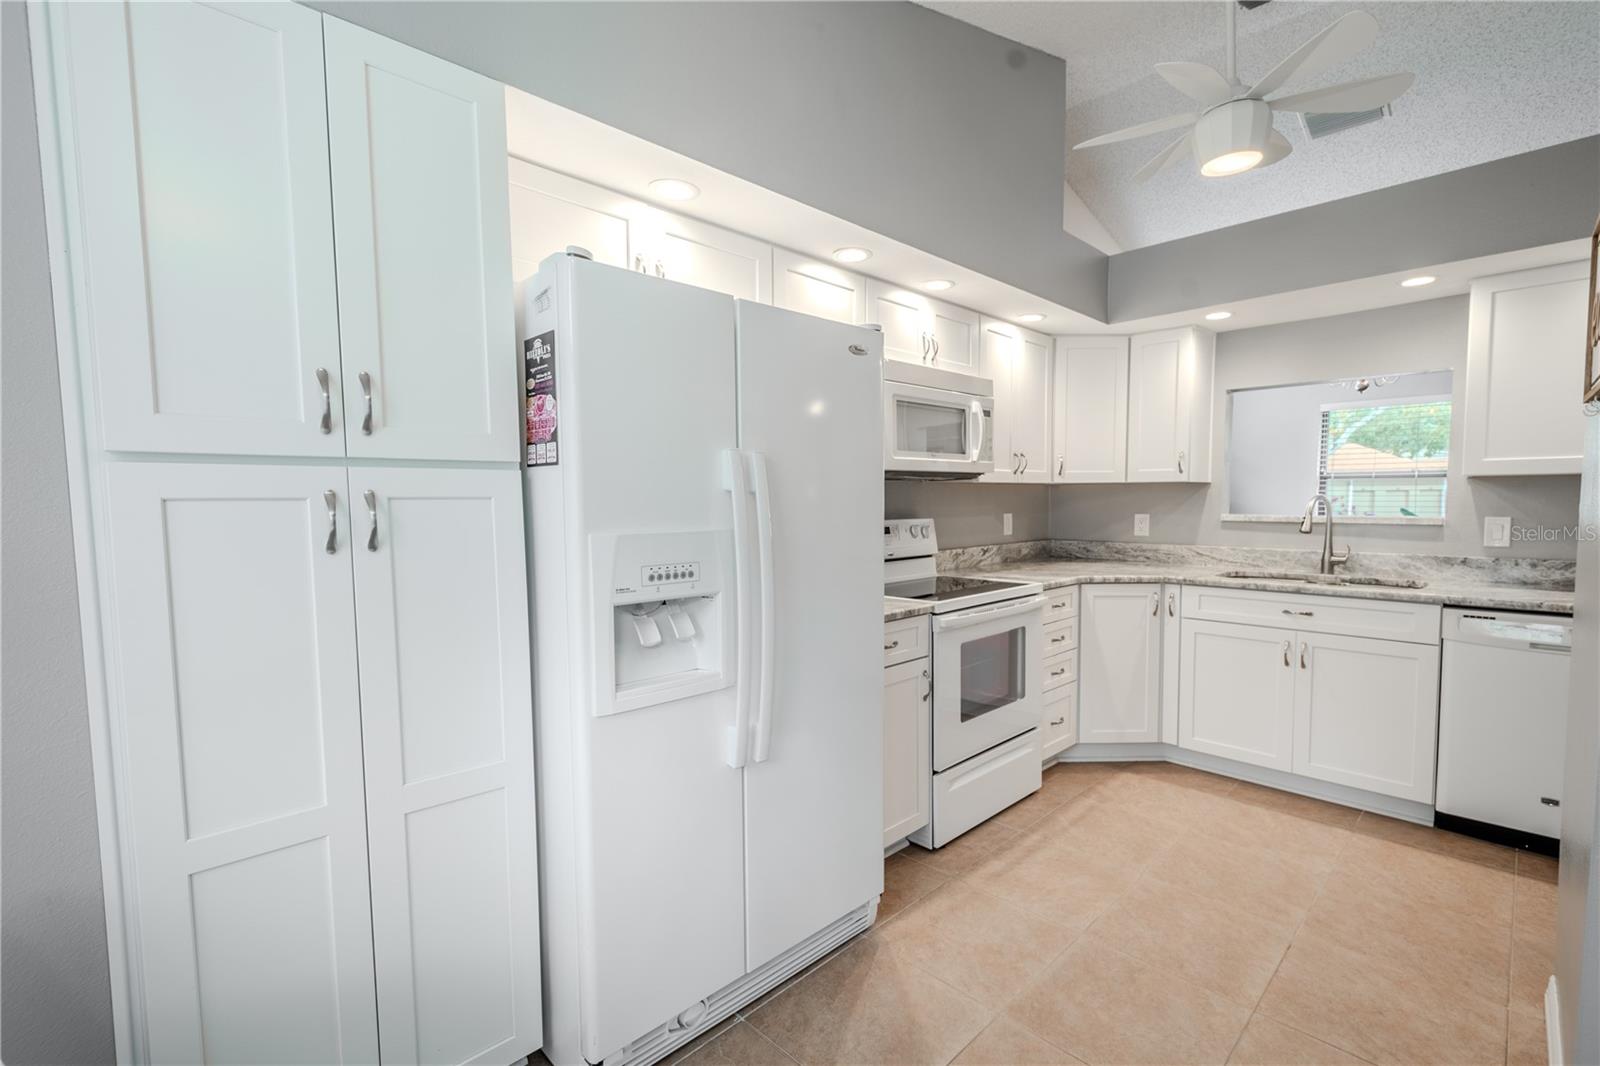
{"x": 936, "y": 423}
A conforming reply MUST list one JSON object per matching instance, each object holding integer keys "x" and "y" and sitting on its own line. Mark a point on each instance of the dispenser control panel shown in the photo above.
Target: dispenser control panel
{"x": 669, "y": 573}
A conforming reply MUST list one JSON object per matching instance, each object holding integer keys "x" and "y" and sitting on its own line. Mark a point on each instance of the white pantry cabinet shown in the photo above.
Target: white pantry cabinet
{"x": 1169, "y": 405}
{"x": 199, "y": 163}
{"x": 448, "y": 741}
{"x": 810, "y": 286}
{"x": 418, "y": 157}
{"x": 1119, "y": 667}
{"x": 907, "y": 747}
{"x": 1089, "y": 409}
{"x": 1236, "y": 693}
{"x": 1524, "y": 365}
{"x": 1018, "y": 361}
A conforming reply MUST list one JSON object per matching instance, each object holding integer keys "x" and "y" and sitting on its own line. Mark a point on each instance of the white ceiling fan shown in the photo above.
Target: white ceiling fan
{"x": 1232, "y": 132}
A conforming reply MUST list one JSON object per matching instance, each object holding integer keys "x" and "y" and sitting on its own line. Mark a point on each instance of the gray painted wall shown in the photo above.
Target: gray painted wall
{"x": 966, "y": 513}
{"x": 54, "y": 983}
{"x": 1424, "y": 336}
{"x": 1522, "y": 201}
{"x": 895, "y": 117}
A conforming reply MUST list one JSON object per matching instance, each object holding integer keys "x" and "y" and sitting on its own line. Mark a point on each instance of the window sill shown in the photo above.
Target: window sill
{"x": 1339, "y": 520}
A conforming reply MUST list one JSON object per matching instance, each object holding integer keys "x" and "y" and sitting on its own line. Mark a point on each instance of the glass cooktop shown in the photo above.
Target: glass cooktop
{"x": 940, "y": 589}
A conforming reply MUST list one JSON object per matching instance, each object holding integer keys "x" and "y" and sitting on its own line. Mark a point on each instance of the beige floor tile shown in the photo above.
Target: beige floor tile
{"x": 740, "y": 1045}
{"x": 869, "y": 1006}
{"x": 1109, "y": 828}
{"x": 905, "y": 880}
{"x": 1105, "y": 1008}
{"x": 1531, "y": 966}
{"x": 1537, "y": 867}
{"x": 1218, "y": 946}
{"x": 1027, "y": 812}
{"x": 1062, "y": 882}
{"x": 1434, "y": 879}
{"x": 1065, "y": 780}
{"x": 700, "y": 1041}
{"x": 1267, "y": 1043}
{"x": 966, "y": 850}
{"x": 1289, "y": 803}
{"x": 1186, "y": 777}
{"x": 1533, "y": 914}
{"x": 978, "y": 944}
{"x": 1312, "y": 843}
{"x": 1005, "y": 1043}
{"x": 1364, "y": 1004}
{"x": 1437, "y": 840}
{"x": 1276, "y": 885}
{"x": 1526, "y": 1043}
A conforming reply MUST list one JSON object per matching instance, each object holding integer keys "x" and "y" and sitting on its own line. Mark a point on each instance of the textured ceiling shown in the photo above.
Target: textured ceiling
{"x": 1494, "y": 79}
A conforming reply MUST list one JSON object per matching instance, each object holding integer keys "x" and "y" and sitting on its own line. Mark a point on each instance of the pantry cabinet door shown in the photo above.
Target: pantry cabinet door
{"x": 1030, "y": 405}
{"x": 1236, "y": 696}
{"x": 1119, "y": 676}
{"x": 550, "y": 212}
{"x": 423, "y": 249}
{"x": 233, "y": 653}
{"x": 1366, "y": 714}
{"x": 815, "y": 288}
{"x": 907, "y": 749}
{"x": 698, "y": 253}
{"x": 446, "y": 713}
{"x": 1090, "y": 408}
{"x": 1158, "y": 420}
{"x": 200, "y": 164}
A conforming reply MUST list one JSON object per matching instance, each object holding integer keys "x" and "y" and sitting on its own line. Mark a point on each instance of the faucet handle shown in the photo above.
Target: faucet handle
{"x": 1342, "y": 557}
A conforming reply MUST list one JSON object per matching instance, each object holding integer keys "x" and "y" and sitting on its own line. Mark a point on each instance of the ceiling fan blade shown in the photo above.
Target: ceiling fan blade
{"x": 1363, "y": 95}
{"x": 1164, "y": 158}
{"x": 1278, "y": 146}
{"x": 1196, "y": 81}
{"x": 1339, "y": 42}
{"x": 1158, "y": 125}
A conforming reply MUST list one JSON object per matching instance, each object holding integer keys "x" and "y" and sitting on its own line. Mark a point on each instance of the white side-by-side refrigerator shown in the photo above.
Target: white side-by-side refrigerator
{"x": 705, "y": 496}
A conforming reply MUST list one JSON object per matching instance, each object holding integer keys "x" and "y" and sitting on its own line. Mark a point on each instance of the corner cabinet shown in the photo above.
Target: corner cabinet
{"x": 1524, "y": 355}
{"x": 1089, "y": 410}
{"x": 1119, "y": 669}
{"x": 1169, "y": 405}
{"x": 1018, "y": 361}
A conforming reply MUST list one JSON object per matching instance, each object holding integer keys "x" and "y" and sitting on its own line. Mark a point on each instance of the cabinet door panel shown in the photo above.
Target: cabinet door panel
{"x": 202, "y": 167}
{"x": 905, "y": 318}
{"x": 424, "y": 254}
{"x": 550, "y": 211}
{"x": 1030, "y": 403}
{"x": 1367, "y": 714}
{"x": 696, "y": 253}
{"x": 1237, "y": 692}
{"x": 955, "y": 334}
{"x": 1001, "y": 342}
{"x": 814, "y": 288}
{"x": 445, "y": 706}
{"x": 1158, "y": 423}
{"x": 1118, "y": 666}
{"x": 907, "y": 749}
{"x": 1091, "y": 409}
{"x": 234, "y": 646}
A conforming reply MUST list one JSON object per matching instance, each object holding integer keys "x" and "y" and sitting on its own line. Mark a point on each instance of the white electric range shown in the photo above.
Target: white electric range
{"x": 988, "y": 640}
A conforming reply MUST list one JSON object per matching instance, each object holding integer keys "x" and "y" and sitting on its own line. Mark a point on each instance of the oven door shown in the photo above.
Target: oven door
{"x": 987, "y": 675}
{"x": 936, "y": 432}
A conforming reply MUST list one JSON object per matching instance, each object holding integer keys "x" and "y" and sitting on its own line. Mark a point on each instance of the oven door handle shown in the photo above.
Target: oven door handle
{"x": 979, "y": 615}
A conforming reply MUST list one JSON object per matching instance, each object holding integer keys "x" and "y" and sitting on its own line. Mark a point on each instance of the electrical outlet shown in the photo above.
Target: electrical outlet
{"x": 1497, "y": 532}
{"x": 1005, "y": 524}
{"x": 1141, "y": 525}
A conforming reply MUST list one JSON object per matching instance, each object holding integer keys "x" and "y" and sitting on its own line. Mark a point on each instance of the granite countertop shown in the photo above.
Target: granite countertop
{"x": 1447, "y": 591}
{"x": 895, "y": 608}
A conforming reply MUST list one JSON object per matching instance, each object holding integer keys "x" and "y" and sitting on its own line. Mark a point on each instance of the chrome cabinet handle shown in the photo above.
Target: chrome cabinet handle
{"x": 372, "y": 513}
{"x": 1059, "y": 721}
{"x": 327, "y": 400}
{"x": 1061, "y": 466}
{"x": 331, "y": 499}
{"x": 927, "y": 689}
{"x": 891, "y": 646}
{"x": 366, "y": 394}
{"x": 1299, "y": 614}
{"x": 1303, "y": 649}
{"x": 1155, "y": 604}
{"x": 1059, "y": 640}
{"x": 1286, "y": 653}
{"x": 924, "y": 347}
{"x": 638, "y": 263}
{"x": 1022, "y": 467}
{"x": 936, "y": 347}
{"x": 661, "y": 271}
{"x": 1172, "y": 604}
{"x": 1059, "y": 605}
{"x": 1058, "y": 672}
{"x": 1180, "y": 462}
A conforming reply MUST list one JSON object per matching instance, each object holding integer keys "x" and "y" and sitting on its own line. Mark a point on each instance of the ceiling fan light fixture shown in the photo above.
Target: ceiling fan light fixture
{"x": 1231, "y": 138}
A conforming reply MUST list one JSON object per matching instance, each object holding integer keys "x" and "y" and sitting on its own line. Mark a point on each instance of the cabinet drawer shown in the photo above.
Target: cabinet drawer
{"x": 1060, "y": 670}
{"x": 1416, "y": 623}
{"x": 1058, "y": 724}
{"x": 905, "y": 640}
{"x": 1061, "y": 636}
{"x": 1060, "y": 603}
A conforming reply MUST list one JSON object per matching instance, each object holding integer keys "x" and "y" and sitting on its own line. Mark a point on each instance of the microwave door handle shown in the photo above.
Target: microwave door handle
{"x": 974, "y": 431}
{"x": 767, "y": 646}
{"x": 738, "y": 751}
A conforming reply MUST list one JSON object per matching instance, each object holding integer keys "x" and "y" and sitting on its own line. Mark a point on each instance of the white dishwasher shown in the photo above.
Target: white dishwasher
{"x": 1502, "y": 724}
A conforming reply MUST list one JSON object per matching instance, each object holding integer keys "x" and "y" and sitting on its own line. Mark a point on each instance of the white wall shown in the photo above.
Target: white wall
{"x": 967, "y": 513}
{"x": 1431, "y": 335}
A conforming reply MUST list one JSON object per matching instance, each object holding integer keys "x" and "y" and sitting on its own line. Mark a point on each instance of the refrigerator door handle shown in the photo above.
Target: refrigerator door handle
{"x": 763, "y": 732}
{"x": 738, "y": 751}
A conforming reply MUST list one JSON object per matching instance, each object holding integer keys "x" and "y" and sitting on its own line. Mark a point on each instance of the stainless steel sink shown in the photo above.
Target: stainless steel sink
{"x": 1324, "y": 579}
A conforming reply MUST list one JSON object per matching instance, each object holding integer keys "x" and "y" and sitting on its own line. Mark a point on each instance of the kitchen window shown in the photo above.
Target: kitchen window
{"x": 1385, "y": 460}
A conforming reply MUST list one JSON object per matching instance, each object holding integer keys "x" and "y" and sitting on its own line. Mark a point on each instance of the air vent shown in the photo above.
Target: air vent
{"x": 1326, "y": 125}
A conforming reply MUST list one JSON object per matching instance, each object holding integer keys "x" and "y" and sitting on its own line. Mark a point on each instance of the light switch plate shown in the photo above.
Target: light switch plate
{"x": 1141, "y": 525}
{"x": 1005, "y": 524}
{"x": 1497, "y": 532}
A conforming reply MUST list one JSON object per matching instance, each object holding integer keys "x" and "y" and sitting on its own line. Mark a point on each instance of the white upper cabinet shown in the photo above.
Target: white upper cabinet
{"x": 906, "y": 318}
{"x": 1089, "y": 408}
{"x": 1018, "y": 361}
{"x": 551, "y": 211}
{"x": 815, "y": 288}
{"x": 445, "y": 697}
{"x": 1524, "y": 372}
{"x": 200, "y": 169}
{"x": 954, "y": 332}
{"x": 418, "y": 152}
{"x": 1169, "y": 405}
{"x": 698, "y": 253}
{"x": 1119, "y": 668}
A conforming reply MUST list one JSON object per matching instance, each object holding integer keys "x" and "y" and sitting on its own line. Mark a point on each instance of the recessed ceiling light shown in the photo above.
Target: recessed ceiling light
{"x": 851, "y": 255}
{"x": 938, "y": 285}
{"x": 1031, "y": 316}
{"x": 1218, "y": 316}
{"x": 1420, "y": 279}
{"x": 674, "y": 189}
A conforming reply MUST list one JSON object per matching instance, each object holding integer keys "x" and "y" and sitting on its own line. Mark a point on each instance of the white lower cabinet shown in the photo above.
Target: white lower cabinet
{"x": 907, "y": 747}
{"x": 1366, "y": 713}
{"x": 1058, "y": 722}
{"x": 1119, "y": 668}
{"x": 1236, "y": 692}
{"x": 328, "y": 769}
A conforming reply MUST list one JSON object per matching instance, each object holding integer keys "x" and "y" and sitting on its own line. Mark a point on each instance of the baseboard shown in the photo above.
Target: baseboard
{"x": 1552, "y": 1023}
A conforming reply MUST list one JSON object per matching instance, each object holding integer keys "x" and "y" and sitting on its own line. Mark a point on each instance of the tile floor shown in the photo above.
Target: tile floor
{"x": 1147, "y": 913}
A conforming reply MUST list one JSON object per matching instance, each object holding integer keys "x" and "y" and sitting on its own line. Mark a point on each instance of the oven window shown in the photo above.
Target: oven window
{"x": 930, "y": 429}
{"x": 991, "y": 673}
